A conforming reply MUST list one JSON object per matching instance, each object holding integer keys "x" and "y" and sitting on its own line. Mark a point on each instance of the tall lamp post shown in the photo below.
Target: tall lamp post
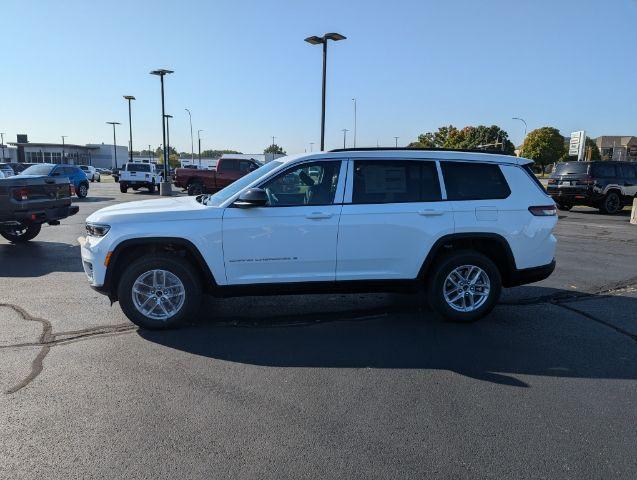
{"x": 354, "y": 100}
{"x": 396, "y": 138}
{"x": 192, "y": 147}
{"x": 314, "y": 40}
{"x": 168, "y": 117}
{"x": 521, "y": 120}
{"x": 311, "y": 146}
{"x": 130, "y": 128}
{"x": 149, "y": 157}
{"x": 2, "y": 143}
{"x": 164, "y": 186}
{"x": 199, "y": 140}
{"x": 114, "y": 141}
{"x": 63, "y": 152}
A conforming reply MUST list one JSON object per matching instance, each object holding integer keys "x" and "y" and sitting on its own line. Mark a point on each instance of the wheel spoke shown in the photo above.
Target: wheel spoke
{"x": 161, "y": 300}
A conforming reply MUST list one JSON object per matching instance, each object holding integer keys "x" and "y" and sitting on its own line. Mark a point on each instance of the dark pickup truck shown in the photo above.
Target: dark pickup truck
{"x": 228, "y": 170}
{"x": 27, "y": 202}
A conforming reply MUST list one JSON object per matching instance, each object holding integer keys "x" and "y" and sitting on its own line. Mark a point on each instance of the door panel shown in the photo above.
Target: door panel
{"x": 388, "y": 229}
{"x": 290, "y": 243}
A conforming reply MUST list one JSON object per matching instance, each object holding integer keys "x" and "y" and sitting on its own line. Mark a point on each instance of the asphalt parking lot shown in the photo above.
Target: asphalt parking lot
{"x": 325, "y": 386}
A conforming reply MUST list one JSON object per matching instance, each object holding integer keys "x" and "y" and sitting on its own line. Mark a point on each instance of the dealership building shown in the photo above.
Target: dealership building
{"x": 615, "y": 147}
{"x": 99, "y": 155}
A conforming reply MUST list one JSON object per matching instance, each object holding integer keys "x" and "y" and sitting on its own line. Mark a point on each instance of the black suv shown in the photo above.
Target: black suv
{"x": 606, "y": 185}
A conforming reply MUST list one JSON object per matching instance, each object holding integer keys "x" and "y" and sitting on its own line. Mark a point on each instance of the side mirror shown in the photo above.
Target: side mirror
{"x": 253, "y": 197}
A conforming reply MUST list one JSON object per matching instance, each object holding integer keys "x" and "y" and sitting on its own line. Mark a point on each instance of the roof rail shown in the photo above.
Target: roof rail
{"x": 432, "y": 149}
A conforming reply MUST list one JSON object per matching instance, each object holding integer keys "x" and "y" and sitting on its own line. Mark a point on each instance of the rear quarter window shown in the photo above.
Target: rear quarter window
{"x": 474, "y": 181}
{"x": 604, "y": 170}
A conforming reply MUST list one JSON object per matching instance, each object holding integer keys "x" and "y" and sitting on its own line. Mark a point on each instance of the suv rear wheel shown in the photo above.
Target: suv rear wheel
{"x": 159, "y": 291}
{"x": 465, "y": 286}
{"x": 195, "y": 188}
{"x": 611, "y": 204}
{"x": 563, "y": 206}
{"x": 82, "y": 190}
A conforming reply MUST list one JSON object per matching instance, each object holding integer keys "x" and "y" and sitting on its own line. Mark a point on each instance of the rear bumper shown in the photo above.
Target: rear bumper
{"x": 43, "y": 215}
{"x": 530, "y": 275}
{"x": 574, "y": 196}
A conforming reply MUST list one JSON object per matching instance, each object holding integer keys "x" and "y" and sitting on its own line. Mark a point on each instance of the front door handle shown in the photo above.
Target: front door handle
{"x": 318, "y": 215}
{"x": 430, "y": 212}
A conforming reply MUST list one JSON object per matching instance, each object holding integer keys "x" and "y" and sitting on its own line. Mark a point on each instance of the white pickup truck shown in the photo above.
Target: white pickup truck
{"x": 139, "y": 175}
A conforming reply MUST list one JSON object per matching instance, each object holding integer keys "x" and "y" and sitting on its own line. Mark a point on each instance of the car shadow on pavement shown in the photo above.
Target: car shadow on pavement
{"x": 93, "y": 199}
{"x": 35, "y": 259}
{"x": 532, "y": 337}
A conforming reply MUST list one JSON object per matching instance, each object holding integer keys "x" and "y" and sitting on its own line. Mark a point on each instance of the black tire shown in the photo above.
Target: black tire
{"x": 151, "y": 188}
{"x": 82, "y": 190}
{"x": 179, "y": 267}
{"x": 22, "y": 234}
{"x": 611, "y": 204}
{"x": 195, "y": 188}
{"x": 123, "y": 188}
{"x": 99, "y": 179}
{"x": 563, "y": 206}
{"x": 444, "y": 267}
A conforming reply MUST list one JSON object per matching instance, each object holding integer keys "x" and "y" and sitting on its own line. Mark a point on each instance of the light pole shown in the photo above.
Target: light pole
{"x": 199, "y": 141}
{"x": 311, "y": 146}
{"x": 130, "y": 128}
{"x": 149, "y": 158}
{"x": 521, "y": 120}
{"x": 192, "y": 147}
{"x": 2, "y": 143}
{"x": 168, "y": 117}
{"x": 354, "y": 100}
{"x": 314, "y": 40}
{"x": 114, "y": 141}
{"x": 164, "y": 186}
{"x": 63, "y": 137}
{"x": 345, "y": 130}
{"x": 396, "y": 138}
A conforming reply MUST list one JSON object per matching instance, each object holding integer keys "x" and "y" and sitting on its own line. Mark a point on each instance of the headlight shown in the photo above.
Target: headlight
{"x": 97, "y": 230}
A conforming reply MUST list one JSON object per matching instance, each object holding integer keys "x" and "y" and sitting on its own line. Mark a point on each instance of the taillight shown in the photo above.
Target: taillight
{"x": 71, "y": 189}
{"x": 21, "y": 193}
{"x": 543, "y": 211}
{"x": 587, "y": 181}
{"x": 552, "y": 181}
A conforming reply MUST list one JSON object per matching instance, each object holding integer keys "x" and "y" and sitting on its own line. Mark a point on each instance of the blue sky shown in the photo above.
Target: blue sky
{"x": 245, "y": 72}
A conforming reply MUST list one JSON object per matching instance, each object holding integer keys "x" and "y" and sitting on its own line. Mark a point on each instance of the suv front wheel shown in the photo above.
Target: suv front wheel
{"x": 159, "y": 291}
{"x": 465, "y": 286}
{"x": 611, "y": 204}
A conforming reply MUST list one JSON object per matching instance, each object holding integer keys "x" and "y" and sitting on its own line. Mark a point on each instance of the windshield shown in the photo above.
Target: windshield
{"x": 37, "y": 170}
{"x": 571, "y": 168}
{"x": 84, "y": 167}
{"x": 224, "y": 194}
{"x": 137, "y": 167}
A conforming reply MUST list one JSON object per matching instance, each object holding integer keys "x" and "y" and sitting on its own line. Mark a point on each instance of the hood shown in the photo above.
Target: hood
{"x": 164, "y": 209}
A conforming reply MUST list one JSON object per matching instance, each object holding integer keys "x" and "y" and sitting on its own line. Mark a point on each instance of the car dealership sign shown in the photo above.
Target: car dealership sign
{"x": 576, "y": 145}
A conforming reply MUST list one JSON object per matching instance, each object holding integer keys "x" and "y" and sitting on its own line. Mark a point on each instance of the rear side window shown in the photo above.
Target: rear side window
{"x": 228, "y": 165}
{"x": 474, "y": 181}
{"x": 604, "y": 170}
{"x": 395, "y": 181}
{"x": 138, "y": 167}
{"x": 571, "y": 168}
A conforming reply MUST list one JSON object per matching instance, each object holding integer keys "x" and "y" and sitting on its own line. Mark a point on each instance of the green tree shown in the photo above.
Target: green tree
{"x": 274, "y": 148}
{"x": 481, "y": 137}
{"x": 173, "y": 157}
{"x": 216, "y": 153}
{"x": 591, "y": 152}
{"x": 544, "y": 146}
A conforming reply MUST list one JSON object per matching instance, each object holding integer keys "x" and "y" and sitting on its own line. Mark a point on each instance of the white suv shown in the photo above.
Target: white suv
{"x": 463, "y": 224}
{"x": 91, "y": 173}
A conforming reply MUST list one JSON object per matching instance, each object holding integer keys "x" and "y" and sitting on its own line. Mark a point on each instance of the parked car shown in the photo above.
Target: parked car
{"x": 460, "y": 224}
{"x": 606, "y": 185}
{"x": 6, "y": 170}
{"x": 27, "y": 202}
{"x": 91, "y": 173}
{"x": 228, "y": 170}
{"x": 17, "y": 167}
{"x": 139, "y": 175}
{"x": 76, "y": 175}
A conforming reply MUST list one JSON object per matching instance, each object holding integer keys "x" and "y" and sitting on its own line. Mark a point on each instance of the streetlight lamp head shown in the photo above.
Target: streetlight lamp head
{"x": 161, "y": 72}
{"x": 113, "y": 123}
{"x": 314, "y": 40}
{"x": 334, "y": 36}
{"x": 168, "y": 116}
{"x": 129, "y": 97}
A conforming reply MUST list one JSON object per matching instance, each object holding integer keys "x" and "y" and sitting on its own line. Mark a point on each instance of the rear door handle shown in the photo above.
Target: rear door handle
{"x": 318, "y": 215}
{"x": 430, "y": 212}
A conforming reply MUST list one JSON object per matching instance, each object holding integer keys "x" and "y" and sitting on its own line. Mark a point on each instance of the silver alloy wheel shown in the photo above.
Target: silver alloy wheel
{"x": 466, "y": 288}
{"x": 158, "y": 294}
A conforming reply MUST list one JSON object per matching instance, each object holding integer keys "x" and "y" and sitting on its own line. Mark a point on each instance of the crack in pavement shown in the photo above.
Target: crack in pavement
{"x": 48, "y": 339}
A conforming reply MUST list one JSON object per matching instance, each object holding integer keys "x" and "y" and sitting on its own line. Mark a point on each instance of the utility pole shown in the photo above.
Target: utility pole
{"x": 2, "y": 143}
{"x": 354, "y": 100}
{"x": 273, "y": 137}
{"x": 311, "y": 146}
{"x": 345, "y": 130}
{"x": 199, "y": 139}
{"x": 192, "y": 148}
{"x": 396, "y": 138}
{"x": 114, "y": 141}
{"x": 130, "y": 127}
{"x": 149, "y": 157}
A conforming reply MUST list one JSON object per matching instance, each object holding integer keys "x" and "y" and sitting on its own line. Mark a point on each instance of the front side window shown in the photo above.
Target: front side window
{"x": 37, "y": 170}
{"x": 629, "y": 171}
{"x": 474, "y": 181}
{"x": 395, "y": 181}
{"x": 306, "y": 184}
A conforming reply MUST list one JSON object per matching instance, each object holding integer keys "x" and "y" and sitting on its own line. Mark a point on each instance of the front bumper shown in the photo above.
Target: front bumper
{"x": 94, "y": 252}
{"x": 530, "y": 275}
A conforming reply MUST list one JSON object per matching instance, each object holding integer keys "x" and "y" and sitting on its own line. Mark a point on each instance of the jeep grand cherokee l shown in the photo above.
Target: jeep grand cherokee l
{"x": 606, "y": 185}
{"x": 463, "y": 224}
